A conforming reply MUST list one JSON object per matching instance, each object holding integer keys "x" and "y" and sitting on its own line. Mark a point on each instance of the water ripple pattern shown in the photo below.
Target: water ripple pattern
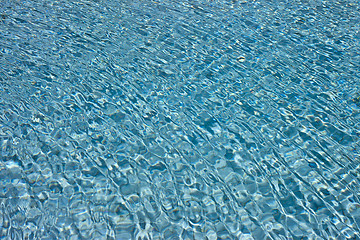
{"x": 169, "y": 119}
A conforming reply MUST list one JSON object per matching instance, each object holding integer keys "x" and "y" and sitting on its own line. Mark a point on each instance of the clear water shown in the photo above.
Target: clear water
{"x": 179, "y": 119}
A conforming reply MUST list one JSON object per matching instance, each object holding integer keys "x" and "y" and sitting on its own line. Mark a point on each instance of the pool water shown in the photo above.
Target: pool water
{"x": 209, "y": 119}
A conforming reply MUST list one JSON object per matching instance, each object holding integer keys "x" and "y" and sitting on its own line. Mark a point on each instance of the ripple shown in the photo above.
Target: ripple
{"x": 179, "y": 120}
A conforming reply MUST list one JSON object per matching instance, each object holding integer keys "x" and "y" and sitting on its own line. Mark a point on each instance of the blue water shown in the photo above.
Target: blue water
{"x": 179, "y": 119}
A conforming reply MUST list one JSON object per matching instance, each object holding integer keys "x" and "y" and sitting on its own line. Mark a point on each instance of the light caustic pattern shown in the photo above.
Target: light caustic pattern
{"x": 179, "y": 119}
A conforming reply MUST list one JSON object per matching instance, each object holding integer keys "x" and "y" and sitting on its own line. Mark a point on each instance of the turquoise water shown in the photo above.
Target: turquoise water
{"x": 179, "y": 119}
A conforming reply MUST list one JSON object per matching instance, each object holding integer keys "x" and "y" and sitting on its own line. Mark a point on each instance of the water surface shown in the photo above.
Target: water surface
{"x": 179, "y": 119}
